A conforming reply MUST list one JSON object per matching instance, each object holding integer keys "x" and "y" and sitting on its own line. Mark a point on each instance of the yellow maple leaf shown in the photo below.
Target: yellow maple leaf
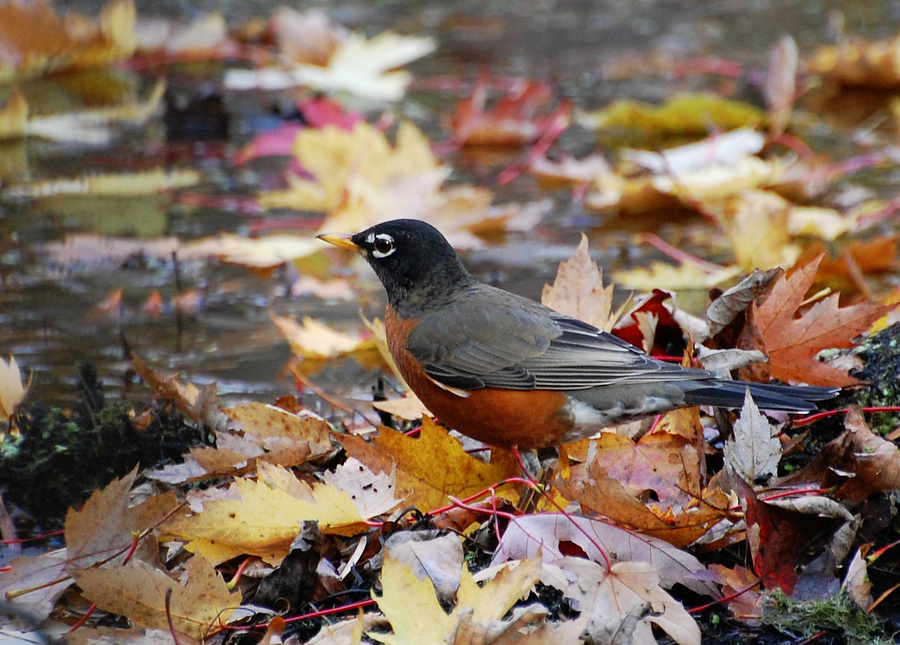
{"x": 432, "y": 467}
{"x": 682, "y": 114}
{"x": 266, "y": 518}
{"x": 417, "y": 617}
{"x": 316, "y": 340}
{"x": 670, "y": 276}
{"x": 578, "y": 290}
{"x": 352, "y": 161}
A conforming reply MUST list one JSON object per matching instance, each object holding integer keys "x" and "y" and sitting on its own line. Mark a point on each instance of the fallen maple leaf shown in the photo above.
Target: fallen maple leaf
{"x": 102, "y": 531}
{"x": 512, "y": 120}
{"x": 266, "y": 517}
{"x": 417, "y": 617}
{"x": 316, "y": 340}
{"x": 623, "y": 601}
{"x": 432, "y": 467}
{"x": 792, "y": 342}
{"x": 600, "y": 493}
{"x": 578, "y": 290}
{"x": 545, "y": 533}
{"x": 150, "y": 597}
{"x": 752, "y": 452}
{"x": 666, "y": 464}
{"x": 680, "y": 115}
{"x": 334, "y": 59}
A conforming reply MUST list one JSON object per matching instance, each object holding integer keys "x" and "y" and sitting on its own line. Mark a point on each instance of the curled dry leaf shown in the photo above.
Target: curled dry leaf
{"x": 12, "y": 389}
{"x": 200, "y": 404}
{"x": 734, "y": 301}
{"x": 781, "y": 84}
{"x": 856, "y": 581}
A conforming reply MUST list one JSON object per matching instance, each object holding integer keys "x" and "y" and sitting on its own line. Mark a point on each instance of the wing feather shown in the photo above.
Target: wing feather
{"x": 527, "y": 346}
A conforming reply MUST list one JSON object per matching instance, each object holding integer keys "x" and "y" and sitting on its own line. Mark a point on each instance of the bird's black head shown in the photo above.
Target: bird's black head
{"x": 414, "y": 262}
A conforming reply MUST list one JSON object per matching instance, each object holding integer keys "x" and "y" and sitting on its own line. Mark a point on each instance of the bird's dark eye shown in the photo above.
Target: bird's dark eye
{"x": 382, "y": 246}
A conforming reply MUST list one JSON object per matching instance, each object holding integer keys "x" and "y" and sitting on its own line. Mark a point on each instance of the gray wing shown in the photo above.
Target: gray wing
{"x": 525, "y": 346}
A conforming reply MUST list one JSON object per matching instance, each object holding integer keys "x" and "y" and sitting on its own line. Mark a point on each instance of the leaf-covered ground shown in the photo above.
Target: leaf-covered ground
{"x": 170, "y": 517}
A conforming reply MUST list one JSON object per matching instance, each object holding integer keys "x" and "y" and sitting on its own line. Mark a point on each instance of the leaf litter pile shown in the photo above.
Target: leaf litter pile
{"x": 266, "y": 523}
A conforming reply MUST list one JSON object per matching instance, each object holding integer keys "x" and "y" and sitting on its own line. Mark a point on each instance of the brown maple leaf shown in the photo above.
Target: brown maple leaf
{"x": 793, "y": 341}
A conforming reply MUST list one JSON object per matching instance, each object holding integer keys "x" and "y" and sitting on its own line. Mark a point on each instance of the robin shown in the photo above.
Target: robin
{"x": 511, "y": 372}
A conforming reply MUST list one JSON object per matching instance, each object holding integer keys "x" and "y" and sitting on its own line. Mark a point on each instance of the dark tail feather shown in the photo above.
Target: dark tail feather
{"x": 730, "y": 394}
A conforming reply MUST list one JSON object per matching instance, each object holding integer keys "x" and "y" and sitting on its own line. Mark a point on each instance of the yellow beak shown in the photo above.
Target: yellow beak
{"x": 339, "y": 239}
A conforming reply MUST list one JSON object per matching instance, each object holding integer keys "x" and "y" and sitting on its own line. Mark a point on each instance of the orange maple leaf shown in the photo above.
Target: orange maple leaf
{"x": 792, "y": 342}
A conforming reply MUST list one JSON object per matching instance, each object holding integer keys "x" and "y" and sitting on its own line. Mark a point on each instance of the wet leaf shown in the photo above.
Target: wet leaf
{"x": 683, "y": 114}
{"x": 34, "y": 40}
{"x": 335, "y": 60}
{"x": 260, "y": 253}
{"x": 316, "y": 340}
{"x": 516, "y": 119}
{"x": 131, "y": 184}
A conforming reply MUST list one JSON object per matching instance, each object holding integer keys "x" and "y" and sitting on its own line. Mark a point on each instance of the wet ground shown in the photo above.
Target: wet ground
{"x": 593, "y": 52}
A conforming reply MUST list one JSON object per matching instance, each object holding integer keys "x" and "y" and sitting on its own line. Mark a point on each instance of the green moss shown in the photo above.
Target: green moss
{"x": 838, "y": 613}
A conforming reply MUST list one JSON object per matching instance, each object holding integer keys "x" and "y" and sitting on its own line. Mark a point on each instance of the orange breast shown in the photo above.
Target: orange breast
{"x": 526, "y": 419}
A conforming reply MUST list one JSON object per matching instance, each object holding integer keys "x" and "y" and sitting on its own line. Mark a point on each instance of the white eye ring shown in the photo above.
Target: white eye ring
{"x": 382, "y": 245}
